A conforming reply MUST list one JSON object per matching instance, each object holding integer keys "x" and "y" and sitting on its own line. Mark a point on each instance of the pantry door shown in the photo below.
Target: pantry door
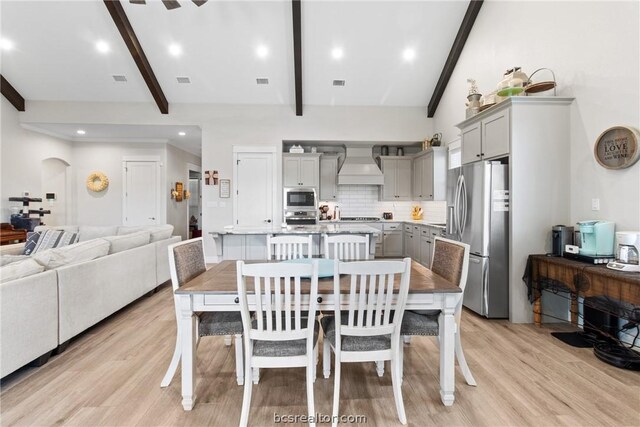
{"x": 141, "y": 198}
{"x": 255, "y": 196}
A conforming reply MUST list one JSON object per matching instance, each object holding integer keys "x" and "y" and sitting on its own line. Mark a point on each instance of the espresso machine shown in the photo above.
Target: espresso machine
{"x": 596, "y": 238}
{"x": 561, "y": 236}
{"x": 627, "y": 251}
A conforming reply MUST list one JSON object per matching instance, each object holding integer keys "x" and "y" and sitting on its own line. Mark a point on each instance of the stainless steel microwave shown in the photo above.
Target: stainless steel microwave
{"x": 300, "y": 198}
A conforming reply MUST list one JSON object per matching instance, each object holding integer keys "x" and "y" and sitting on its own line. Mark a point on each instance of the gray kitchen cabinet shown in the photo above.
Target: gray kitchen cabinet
{"x": 487, "y": 138}
{"x": 408, "y": 240}
{"x": 397, "y": 178}
{"x": 392, "y": 245}
{"x": 328, "y": 177}
{"x": 426, "y": 245}
{"x": 415, "y": 243}
{"x": 300, "y": 170}
{"x": 429, "y": 174}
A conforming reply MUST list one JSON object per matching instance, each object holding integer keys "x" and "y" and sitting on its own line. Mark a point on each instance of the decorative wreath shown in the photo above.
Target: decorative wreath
{"x": 97, "y": 181}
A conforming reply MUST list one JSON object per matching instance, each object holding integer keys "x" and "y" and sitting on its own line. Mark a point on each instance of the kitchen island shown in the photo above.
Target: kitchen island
{"x": 250, "y": 243}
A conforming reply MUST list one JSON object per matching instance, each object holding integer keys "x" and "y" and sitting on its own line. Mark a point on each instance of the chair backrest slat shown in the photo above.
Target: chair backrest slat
{"x": 289, "y": 247}
{"x": 346, "y": 247}
{"x": 371, "y": 296}
{"x": 278, "y": 300}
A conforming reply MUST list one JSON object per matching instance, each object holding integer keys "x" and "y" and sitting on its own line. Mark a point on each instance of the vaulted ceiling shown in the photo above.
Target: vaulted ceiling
{"x": 54, "y": 56}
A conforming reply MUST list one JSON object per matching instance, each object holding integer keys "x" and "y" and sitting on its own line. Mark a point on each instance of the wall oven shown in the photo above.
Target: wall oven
{"x": 300, "y": 206}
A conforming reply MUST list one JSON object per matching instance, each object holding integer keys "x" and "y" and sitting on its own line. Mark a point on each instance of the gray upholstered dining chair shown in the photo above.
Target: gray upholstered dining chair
{"x": 186, "y": 261}
{"x": 450, "y": 260}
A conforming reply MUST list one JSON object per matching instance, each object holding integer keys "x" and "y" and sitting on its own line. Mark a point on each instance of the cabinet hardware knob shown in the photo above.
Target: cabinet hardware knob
{"x": 482, "y": 154}
{"x": 477, "y": 155}
{"x": 237, "y": 300}
{"x": 319, "y": 299}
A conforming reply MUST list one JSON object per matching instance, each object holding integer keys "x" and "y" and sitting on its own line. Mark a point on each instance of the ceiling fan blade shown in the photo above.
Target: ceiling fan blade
{"x": 199, "y": 2}
{"x": 137, "y": 1}
{"x": 171, "y": 4}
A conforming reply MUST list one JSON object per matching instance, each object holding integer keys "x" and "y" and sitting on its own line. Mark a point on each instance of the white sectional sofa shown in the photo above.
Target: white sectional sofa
{"x": 41, "y": 312}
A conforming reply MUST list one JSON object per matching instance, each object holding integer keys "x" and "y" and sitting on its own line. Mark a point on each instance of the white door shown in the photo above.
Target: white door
{"x": 141, "y": 198}
{"x": 254, "y": 189}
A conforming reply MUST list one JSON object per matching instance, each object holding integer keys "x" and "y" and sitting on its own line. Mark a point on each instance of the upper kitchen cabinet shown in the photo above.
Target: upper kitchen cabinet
{"x": 328, "y": 177}
{"x": 397, "y": 178}
{"x": 487, "y": 137}
{"x": 429, "y": 174}
{"x": 300, "y": 170}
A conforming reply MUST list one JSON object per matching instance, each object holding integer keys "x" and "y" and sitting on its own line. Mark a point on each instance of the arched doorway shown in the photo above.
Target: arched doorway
{"x": 55, "y": 181}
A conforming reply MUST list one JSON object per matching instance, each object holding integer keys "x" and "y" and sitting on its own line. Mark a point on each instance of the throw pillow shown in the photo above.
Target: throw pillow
{"x": 161, "y": 232}
{"x": 49, "y": 239}
{"x": 17, "y": 270}
{"x": 72, "y": 254}
{"x": 128, "y": 241}
{"x": 32, "y": 241}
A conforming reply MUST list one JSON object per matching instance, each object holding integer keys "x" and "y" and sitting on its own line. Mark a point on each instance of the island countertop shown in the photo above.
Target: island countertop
{"x": 335, "y": 228}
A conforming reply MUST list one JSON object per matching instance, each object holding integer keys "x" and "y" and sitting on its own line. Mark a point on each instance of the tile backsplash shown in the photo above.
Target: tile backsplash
{"x": 362, "y": 200}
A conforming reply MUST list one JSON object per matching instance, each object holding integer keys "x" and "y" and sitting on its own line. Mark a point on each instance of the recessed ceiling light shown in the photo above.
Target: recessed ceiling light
{"x": 182, "y": 133}
{"x": 80, "y": 132}
{"x": 102, "y": 46}
{"x": 337, "y": 53}
{"x": 6, "y": 44}
{"x": 262, "y": 51}
{"x": 175, "y": 49}
{"x": 409, "y": 54}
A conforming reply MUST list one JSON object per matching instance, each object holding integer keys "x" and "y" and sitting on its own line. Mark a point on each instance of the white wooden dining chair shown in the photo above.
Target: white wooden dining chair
{"x": 346, "y": 247}
{"x": 186, "y": 261}
{"x": 289, "y": 247}
{"x": 279, "y": 335}
{"x": 369, "y": 330}
{"x": 450, "y": 259}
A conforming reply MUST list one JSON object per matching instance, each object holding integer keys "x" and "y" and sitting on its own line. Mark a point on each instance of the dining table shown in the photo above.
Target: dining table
{"x": 217, "y": 290}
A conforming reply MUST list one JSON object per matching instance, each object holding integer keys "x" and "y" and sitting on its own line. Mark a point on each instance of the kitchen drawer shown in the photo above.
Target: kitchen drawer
{"x": 408, "y": 228}
{"x": 213, "y": 299}
{"x": 392, "y": 226}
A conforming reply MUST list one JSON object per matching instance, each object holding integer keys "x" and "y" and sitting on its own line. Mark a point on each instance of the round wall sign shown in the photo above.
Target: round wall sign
{"x": 617, "y": 147}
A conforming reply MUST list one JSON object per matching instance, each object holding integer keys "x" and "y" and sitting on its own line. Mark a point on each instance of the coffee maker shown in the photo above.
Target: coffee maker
{"x": 627, "y": 258}
{"x": 561, "y": 235}
{"x": 596, "y": 237}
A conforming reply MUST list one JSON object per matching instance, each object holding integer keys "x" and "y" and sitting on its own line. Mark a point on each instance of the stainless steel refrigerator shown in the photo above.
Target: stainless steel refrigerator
{"x": 478, "y": 214}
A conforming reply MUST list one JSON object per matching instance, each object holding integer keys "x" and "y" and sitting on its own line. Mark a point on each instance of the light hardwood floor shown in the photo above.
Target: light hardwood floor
{"x": 111, "y": 375}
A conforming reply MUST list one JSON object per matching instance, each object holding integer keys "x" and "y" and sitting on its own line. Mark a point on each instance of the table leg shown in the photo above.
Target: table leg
{"x": 537, "y": 306}
{"x": 447, "y": 355}
{"x": 574, "y": 309}
{"x": 188, "y": 330}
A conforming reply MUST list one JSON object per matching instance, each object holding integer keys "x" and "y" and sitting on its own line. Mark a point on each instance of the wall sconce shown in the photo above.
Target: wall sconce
{"x": 177, "y": 193}
{"x": 187, "y": 194}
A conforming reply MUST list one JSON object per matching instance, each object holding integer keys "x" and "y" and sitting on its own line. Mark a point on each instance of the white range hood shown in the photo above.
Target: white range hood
{"x": 359, "y": 168}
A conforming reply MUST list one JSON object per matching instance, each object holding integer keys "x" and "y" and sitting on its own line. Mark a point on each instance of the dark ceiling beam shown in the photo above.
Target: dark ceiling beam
{"x": 454, "y": 54}
{"x": 131, "y": 40}
{"x": 11, "y": 94}
{"x": 297, "y": 53}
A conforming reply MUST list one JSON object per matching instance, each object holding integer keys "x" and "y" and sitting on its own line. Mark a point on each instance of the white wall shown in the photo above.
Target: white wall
{"x": 105, "y": 207}
{"x": 177, "y": 171}
{"x": 224, "y": 127}
{"x": 22, "y": 152}
{"x": 593, "y": 49}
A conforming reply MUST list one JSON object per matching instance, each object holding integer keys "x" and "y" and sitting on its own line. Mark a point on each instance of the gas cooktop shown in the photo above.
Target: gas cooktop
{"x": 359, "y": 218}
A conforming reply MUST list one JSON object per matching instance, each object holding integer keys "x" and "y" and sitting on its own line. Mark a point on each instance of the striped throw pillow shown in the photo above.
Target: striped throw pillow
{"x": 49, "y": 239}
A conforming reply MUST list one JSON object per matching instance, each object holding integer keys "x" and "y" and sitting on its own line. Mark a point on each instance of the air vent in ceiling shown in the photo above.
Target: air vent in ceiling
{"x": 183, "y": 79}
{"x": 262, "y": 81}
{"x": 339, "y": 82}
{"x": 119, "y": 78}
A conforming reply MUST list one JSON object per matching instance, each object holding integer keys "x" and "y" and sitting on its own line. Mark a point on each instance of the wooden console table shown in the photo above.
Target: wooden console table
{"x": 8, "y": 235}
{"x": 580, "y": 279}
